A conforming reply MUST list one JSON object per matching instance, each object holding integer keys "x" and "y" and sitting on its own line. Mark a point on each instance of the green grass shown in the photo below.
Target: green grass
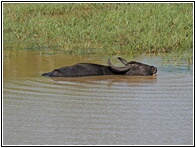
{"x": 95, "y": 28}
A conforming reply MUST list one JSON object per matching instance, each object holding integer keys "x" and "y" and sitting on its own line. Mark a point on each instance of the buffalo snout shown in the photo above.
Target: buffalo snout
{"x": 154, "y": 70}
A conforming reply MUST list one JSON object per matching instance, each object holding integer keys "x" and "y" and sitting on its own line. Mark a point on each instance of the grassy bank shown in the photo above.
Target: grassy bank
{"x": 101, "y": 28}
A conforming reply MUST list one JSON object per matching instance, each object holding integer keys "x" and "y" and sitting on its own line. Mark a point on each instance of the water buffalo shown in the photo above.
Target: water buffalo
{"x": 87, "y": 69}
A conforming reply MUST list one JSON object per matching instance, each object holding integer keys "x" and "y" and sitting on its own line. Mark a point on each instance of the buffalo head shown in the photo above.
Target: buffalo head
{"x": 133, "y": 68}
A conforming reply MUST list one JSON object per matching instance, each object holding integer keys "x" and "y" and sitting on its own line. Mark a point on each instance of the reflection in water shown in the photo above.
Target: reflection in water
{"x": 111, "y": 79}
{"x": 98, "y": 110}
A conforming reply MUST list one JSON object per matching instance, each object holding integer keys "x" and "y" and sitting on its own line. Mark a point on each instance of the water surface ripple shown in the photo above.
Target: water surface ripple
{"x": 44, "y": 111}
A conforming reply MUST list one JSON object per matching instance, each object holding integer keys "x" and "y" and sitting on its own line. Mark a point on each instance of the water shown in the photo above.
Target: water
{"x": 101, "y": 110}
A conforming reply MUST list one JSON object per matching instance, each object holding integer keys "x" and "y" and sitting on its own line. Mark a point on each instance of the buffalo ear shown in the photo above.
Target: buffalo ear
{"x": 123, "y": 61}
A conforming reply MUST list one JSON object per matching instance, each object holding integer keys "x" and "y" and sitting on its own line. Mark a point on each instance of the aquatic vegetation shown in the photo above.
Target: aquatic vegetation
{"x": 101, "y": 28}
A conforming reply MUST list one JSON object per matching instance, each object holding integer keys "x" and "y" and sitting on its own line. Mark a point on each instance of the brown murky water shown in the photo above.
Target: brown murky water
{"x": 102, "y": 110}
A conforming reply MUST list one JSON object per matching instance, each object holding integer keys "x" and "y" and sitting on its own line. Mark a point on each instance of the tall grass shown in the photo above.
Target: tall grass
{"x": 96, "y": 28}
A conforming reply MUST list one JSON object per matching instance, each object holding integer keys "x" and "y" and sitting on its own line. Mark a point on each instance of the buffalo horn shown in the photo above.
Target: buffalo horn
{"x": 119, "y": 69}
{"x": 123, "y": 61}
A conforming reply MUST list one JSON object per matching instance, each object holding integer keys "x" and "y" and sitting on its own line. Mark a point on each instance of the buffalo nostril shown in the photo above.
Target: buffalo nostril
{"x": 154, "y": 70}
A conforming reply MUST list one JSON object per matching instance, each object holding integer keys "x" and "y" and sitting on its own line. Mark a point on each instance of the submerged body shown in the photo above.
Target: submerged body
{"x": 81, "y": 69}
{"x": 88, "y": 69}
